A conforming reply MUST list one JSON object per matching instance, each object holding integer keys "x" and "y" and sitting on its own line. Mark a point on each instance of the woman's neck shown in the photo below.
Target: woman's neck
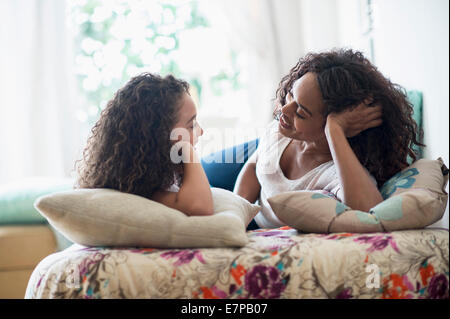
{"x": 316, "y": 149}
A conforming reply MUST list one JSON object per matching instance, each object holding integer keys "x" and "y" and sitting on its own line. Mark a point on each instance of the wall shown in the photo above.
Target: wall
{"x": 318, "y": 22}
{"x": 412, "y": 47}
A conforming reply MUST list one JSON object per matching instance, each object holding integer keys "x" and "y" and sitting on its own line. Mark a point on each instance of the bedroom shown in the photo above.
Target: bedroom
{"x": 61, "y": 61}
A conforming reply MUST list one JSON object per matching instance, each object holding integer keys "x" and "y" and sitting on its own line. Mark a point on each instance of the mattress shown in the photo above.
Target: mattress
{"x": 276, "y": 263}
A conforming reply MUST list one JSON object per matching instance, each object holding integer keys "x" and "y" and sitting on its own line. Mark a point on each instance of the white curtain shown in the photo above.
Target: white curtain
{"x": 38, "y": 131}
{"x": 269, "y": 32}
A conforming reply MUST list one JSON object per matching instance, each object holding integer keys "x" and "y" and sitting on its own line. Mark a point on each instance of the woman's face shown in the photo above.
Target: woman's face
{"x": 189, "y": 129}
{"x": 301, "y": 117}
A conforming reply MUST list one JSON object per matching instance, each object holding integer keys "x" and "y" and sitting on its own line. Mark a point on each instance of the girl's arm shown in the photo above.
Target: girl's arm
{"x": 194, "y": 196}
{"x": 359, "y": 191}
{"x": 247, "y": 185}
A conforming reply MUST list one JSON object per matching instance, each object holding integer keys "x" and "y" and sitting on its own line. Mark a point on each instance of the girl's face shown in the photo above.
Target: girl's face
{"x": 190, "y": 130}
{"x": 301, "y": 117}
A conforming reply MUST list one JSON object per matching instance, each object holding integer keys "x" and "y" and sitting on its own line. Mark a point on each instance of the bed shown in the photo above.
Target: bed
{"x": 272, "y": 263}
{"x": 276, "y": 263}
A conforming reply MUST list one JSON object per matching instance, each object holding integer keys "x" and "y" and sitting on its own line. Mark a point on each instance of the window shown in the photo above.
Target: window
{"x": 116, "y": 39}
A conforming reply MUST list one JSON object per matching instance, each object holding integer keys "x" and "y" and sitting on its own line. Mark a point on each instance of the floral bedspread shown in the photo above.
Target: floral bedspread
{"x": 276, "y": 263}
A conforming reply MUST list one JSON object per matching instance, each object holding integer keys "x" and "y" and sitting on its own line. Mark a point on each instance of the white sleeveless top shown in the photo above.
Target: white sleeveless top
{"x": 273, "y": 181}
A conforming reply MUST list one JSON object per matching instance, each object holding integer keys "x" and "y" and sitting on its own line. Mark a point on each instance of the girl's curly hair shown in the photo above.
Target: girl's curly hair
{"x": 346, "y": 78}
{"x": 129, "y": 146}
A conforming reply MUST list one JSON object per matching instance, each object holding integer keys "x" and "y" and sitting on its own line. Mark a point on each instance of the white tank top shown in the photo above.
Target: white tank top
{"x": 273, "y": 181}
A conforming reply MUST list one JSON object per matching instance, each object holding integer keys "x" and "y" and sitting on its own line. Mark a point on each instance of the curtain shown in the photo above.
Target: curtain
{"x": 269, "y": 32}
{"x": 39, "y": 132}
{"x": 39, "y": 135}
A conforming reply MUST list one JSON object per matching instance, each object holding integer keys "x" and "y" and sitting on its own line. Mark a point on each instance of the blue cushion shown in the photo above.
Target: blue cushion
{"x": 415, "y": 98}
{"x": 222, "y": 168}
{"x": 17, "y": 198}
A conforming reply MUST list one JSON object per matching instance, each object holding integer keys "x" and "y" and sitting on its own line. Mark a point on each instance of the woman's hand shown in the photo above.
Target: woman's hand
{"x": 357, "y": 188}
{"x": 357, "y": 120}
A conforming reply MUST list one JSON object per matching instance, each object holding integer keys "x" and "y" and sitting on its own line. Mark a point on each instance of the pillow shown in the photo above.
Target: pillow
{"x": 415, "y": 198}
{"x": 106, "y": 217}
{"x": 426, "y": 174}
{"x": 17, "y": 198}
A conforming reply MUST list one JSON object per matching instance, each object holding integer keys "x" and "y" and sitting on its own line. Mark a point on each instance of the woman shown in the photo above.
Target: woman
{"x": 340, "y": 126}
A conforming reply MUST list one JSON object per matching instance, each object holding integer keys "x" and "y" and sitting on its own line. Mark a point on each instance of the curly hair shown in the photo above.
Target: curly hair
{"x": 346, "y": 78}
{"x": 129, "y": 146}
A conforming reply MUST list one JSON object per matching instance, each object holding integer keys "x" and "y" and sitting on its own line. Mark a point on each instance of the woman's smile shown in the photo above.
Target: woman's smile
{"x": 285, "y": 124}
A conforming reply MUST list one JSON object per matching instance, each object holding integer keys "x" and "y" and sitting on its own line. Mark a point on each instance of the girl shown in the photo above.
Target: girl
{"x": 340, "y": 126}
{"x": 131, "y": 147}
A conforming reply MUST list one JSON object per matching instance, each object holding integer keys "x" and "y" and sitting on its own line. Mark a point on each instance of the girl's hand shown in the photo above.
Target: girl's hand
{"x": 352, "y": 122}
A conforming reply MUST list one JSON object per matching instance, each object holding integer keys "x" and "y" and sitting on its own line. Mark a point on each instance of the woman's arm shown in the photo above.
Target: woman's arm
{"x": 194, "y": 196}
{"x": 359, "y": 191}
{"x": 247, "y": 185}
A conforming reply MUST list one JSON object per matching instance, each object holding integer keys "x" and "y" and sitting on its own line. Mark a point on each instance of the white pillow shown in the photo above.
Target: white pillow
{"x": 106, "y": 217}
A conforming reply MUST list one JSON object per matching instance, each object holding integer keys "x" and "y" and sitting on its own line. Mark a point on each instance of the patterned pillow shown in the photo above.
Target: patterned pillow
{"x": 414, "y": 198}
{"x": 426, "y": 174}
{"x": 106, "y": 217}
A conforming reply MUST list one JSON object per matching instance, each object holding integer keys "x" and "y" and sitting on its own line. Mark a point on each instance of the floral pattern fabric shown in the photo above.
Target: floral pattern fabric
{"x": 276, "y": 263}
{"x": 403, "y": 179}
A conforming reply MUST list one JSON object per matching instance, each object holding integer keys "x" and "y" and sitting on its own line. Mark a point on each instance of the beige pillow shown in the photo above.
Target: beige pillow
{"x": 424, "y": 173}
{"x": 106, "y": 217}
{"x": 416, "y": 199}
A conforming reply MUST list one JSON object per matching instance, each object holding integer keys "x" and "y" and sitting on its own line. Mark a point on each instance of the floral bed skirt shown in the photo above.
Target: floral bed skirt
{"x": 276, "y": 263}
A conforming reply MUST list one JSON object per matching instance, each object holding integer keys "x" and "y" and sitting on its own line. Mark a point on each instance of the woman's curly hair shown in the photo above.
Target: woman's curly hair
{"x": 129, "y": 146}
{"x": 346, "y": 78}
